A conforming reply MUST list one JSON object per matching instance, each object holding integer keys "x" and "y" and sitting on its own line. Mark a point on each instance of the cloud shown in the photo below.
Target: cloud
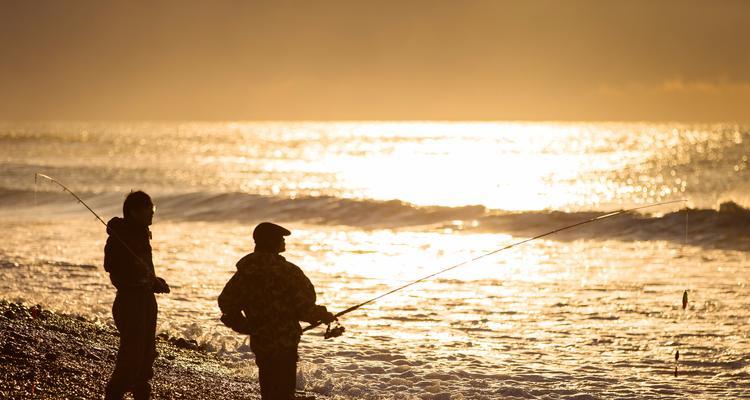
{"x": 675, "y": 99}
{"x": 676, "y": 86}
{"x": 719, "y": 86}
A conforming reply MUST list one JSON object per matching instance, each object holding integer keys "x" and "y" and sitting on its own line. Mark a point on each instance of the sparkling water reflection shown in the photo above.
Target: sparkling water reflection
{"x": 582, "y": 316}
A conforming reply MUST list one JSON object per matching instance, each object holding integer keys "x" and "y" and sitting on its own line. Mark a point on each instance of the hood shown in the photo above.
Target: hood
{"x": 123, "y": 227}
{"x": 258, "y": 259}
{"x": 116, "y": 225}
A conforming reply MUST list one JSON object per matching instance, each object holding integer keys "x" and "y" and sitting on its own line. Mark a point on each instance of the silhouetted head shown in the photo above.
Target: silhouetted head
{"x": 138, "y": 208}
{"x": 270, "y": 237}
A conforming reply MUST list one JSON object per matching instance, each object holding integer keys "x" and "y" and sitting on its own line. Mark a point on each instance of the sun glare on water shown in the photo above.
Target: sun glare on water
{"x": 500, "y": 165}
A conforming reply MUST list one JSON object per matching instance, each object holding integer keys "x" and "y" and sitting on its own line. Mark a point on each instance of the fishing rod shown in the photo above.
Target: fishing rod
{"x": 332, "y": 332}
{"x": 112, "y": 231}
{"x": 65, "y": 188}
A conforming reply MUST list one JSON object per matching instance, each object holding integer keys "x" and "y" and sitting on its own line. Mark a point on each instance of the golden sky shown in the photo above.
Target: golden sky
{"x": 376, "y": 60}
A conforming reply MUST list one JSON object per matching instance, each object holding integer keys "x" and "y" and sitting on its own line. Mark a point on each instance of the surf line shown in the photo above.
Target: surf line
{"x": 338, "y": 330}
{"x": 65, "y": 189}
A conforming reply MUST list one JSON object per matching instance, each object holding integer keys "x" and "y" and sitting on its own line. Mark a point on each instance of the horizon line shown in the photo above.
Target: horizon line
{"x": 380, "y": 121}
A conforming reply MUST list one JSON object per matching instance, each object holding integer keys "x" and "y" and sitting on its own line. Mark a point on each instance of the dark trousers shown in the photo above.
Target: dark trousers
{"x": 135, "y": 318}
{"x": 277, "y": 373}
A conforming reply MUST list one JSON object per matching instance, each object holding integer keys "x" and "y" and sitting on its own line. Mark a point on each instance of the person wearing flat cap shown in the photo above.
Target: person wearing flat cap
{"x": 267, "y": 298}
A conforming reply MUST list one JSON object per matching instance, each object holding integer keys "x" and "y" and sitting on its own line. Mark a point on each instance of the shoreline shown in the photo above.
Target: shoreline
{"x": 48, "y": 355}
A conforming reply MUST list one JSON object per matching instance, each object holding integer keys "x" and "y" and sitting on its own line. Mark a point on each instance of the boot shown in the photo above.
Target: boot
{"x": 111, "y": 393}
{"x": 142, "y": 392}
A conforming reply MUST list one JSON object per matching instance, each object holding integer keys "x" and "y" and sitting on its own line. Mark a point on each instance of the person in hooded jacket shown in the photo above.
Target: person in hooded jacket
{"x": 127, "y": 258}
{"x": 266, "y": 298}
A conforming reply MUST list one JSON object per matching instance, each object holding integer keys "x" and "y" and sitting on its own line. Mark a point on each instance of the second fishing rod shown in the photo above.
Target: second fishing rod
{"x": 337, "y": 331}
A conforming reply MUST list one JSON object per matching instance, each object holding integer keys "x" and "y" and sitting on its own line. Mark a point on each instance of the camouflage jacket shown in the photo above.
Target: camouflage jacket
{"x": 274, "y": 296}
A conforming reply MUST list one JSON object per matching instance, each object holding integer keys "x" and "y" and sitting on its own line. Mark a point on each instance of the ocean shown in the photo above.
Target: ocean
{"x": 594, "y": 312}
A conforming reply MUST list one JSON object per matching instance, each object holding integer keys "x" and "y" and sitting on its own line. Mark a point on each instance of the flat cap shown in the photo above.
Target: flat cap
{"x": 266, "y": 231}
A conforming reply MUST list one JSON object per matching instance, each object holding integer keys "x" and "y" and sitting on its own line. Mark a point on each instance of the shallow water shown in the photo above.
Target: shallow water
{"x": 595, "y": 314}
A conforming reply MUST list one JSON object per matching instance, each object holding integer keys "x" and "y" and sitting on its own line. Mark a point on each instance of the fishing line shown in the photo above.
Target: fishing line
{"x": 112, "y": 232}
{"x": 588, "y": 221}
{"x": 685, "y": 293}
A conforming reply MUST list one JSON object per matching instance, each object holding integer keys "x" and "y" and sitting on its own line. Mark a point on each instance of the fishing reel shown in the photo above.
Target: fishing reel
{"x": 335, "y": 331}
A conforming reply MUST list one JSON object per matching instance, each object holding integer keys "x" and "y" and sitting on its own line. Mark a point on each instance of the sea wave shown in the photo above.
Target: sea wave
{"x": 729, "y": 223}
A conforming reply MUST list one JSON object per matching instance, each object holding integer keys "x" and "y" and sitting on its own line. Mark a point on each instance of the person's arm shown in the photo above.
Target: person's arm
{"x": 117, "y": 261}
{"x": 115, "y": 257}
{"x": 303, "y": 301}
{"x": 231, "y": 303}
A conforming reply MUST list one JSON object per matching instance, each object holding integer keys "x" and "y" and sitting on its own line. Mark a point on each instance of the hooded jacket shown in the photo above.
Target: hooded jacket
{"x": 129, "y": 271}
{"x": 274, "y": 296}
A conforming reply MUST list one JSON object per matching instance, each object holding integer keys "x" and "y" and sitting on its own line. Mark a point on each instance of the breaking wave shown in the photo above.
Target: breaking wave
{"x": 729, "y": 223}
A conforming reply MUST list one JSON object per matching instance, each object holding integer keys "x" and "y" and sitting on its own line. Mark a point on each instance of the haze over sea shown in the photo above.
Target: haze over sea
{"x": 592, "y": 313}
